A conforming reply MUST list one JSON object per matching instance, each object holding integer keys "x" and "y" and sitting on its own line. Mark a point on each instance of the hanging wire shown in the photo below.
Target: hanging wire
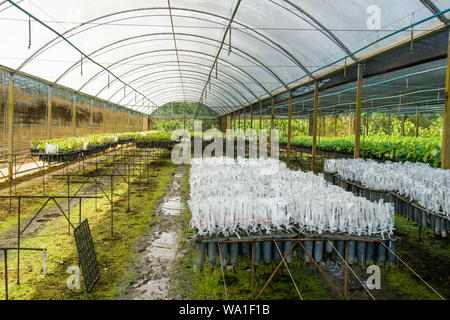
{"x": 415, "y": 273}
{"x": 223, "y": 274}
{"x": 289, "y": 271}
{"x": 348, "y": 266}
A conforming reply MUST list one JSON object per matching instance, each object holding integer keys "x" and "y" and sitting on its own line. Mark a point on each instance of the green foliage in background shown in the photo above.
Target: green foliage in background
{"x": 412, "y": 149}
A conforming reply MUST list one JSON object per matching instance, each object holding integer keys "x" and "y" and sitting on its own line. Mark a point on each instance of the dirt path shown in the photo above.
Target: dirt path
{"x": 159, "y": 249}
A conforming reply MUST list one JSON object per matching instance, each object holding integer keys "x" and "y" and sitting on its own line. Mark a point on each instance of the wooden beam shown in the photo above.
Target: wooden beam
{"x": 314, "y": 128}
{"x": 445, "y": 154}
{"x": 359, "y": 84}
{"x": 288, "y": 154}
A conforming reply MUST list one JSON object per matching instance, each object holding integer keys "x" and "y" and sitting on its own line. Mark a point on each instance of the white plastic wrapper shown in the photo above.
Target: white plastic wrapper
{"x": 50, "y": 148}
{"x": 428, "y": 186}
{"x": 262, "y": 196}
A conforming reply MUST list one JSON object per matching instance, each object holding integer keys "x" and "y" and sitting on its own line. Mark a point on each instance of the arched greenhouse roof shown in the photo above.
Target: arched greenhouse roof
{"x": 222, "y": 54}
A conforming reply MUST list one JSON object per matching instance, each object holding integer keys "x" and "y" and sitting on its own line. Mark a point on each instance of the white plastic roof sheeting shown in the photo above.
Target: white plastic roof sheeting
{"x": 167, "y": 55}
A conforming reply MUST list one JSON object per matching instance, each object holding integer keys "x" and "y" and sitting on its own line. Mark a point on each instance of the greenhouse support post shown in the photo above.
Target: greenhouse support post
{"x": 260, "y": 115}
{"x": 91, "y": 117}
{"x": 417, "y": 122}
{"x": 272, "y": 116}
{"x": 10, "y": 126}
{"x": 49, "y": 113}
{"x": 288, "y": 153}
{"x": 314, "y": 128}
{"x": 359, "y": 85}
{"x": 245, "y": 120}
{"x": 74, "y": 117}
{"x": 445, "y": 157}
{"x": 251, "y": 116}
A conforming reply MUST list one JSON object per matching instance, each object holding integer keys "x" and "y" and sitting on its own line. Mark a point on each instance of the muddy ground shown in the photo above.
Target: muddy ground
{"x": 158, "y": 250}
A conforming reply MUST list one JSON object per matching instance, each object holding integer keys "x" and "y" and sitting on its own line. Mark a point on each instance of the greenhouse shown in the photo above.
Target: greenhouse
{"x": 198, "y": 150}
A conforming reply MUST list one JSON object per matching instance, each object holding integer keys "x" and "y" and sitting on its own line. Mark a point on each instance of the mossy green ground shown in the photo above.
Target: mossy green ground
{"x": 113, "y": 253}
{"x": 428, "y": 256}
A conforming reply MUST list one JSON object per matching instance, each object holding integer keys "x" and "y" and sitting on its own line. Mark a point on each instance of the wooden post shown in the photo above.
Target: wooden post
{"x": 91, "y": 118}
{"x": 260, "y": 115}
{"x": 245, "y": 120}
{"x": 324, "y": 129}
{"x": 359, "y": 84}
{"x": 251, "y": 116}
{"x": 445, "y": 155}
{"x": 10, "y": 127}
{"x": 314, "y": 127}
{"x": 150, "y": 123}
{"x": 403, "y": 126}
{"x": 417, "y": 122}
{"x": 389, "y": 123}
{"x": 288, "y": 154}
{"x": 335, "y": 126}
{"x": 367, "y": 124}
{"x": 272, "y": 117}
{"x": 228, "y": 122}
{"x": 74, "y": 116}
{"x": 239, "y": 120}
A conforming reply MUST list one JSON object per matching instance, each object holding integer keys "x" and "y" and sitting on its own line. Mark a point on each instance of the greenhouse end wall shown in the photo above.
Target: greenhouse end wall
{"x": 72, "y": 114}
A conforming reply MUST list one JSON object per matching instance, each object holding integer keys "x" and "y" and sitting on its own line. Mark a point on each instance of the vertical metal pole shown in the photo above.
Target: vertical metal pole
{"x": 5, "y": 251}
{"x": 112, "y": 205}
{"x": 288, "y": 155}
{"x": 314, "y": 128}
{"x": 445, "y": 157}
{"x": 49, "y": 113}
{"x": 346, "y": 270}
{"x": 253, "y": 271}
{"x": 10, "y": 127}
{"x": 18, "y": 240}
{"x": 359, "y": 85}
{"x": 68, "y": 199}
{"x": 128, "y": 187}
